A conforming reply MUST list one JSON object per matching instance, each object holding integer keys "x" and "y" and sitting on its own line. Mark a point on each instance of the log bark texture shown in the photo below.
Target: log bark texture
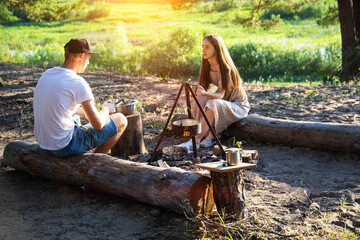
{"x": 131, "y": 141}
{"x": 316, "y": 135}
{"x": 174, "y": 188}
{"x": 229, "y": 193}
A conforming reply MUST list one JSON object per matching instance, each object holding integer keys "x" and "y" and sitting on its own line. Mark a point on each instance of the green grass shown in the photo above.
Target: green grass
{"x": 128, "y": 36}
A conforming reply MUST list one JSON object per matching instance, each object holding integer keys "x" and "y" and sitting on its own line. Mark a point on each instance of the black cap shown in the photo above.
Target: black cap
{"x": 78, "y": 45}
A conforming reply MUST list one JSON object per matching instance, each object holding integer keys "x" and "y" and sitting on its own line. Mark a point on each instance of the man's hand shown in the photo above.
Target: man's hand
{"x": 97, "y": 119}
{"x": 110, "y": 106}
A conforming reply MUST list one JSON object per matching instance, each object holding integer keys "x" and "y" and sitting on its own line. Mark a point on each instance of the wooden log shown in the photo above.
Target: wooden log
{"x": 229, "y": 193}
{"x": 229, "y": 187}
{"x": 316, "y": 135}
{"x": 249, "y": 155}
{"x": 173, "y": 188}
{"x": 217, "y": 150}
{"x": 131, "y": 141}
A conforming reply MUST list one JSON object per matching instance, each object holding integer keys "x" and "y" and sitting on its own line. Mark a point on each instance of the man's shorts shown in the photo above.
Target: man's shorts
{"x": 87, "y": 137}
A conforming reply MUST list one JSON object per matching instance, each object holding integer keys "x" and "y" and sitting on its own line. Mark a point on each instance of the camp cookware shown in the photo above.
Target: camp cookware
{"x": 233, "y": 157}
{"x": 186, "y": 127}
{"x": 126, "y": 106}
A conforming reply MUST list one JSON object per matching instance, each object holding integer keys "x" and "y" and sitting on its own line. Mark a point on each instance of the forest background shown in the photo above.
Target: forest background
{"x": 290, "y": 41}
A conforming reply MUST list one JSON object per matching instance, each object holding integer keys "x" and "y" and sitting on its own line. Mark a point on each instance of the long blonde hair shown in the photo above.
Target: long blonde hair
{"x": 228, "y": 70}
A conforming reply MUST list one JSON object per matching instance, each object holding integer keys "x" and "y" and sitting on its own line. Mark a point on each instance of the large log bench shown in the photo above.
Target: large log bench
{"x": 315, "y": 135}
{"x": 173, "y": 188}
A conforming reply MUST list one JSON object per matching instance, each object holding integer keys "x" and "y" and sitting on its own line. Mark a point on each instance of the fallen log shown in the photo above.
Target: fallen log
{"x": 316, "y": 135}
{"x": 174, "y": 188}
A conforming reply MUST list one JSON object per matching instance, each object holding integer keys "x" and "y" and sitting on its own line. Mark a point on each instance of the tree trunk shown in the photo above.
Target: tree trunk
{"x": 346, "y": 24}
{"x": 316, "y": 135}
{"x": 349, "y": 17}
{"x": 229, "y": 193}
{"x": 173, "y": 188}
{"x": 131, "y": 141}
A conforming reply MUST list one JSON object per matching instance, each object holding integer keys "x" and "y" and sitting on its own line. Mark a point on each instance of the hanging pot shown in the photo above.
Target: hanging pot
{"x": 186, "y": 127}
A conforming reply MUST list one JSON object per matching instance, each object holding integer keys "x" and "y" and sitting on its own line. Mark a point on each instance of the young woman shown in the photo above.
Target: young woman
{"x": 228, "y": 104}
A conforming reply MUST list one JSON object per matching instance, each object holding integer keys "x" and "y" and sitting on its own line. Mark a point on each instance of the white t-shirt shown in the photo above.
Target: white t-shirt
{"x": 57, "y": 96}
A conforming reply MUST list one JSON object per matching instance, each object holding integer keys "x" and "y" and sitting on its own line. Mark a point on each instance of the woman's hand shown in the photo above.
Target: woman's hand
{"x": 197, "y": 89}
{"x": 200, "y": 91}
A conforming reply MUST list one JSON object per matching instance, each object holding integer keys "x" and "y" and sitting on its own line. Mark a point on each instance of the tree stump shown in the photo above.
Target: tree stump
{"x": 131, "y": 141}
{"x": 228, "y": 187}
{"x": 229, "y": 193}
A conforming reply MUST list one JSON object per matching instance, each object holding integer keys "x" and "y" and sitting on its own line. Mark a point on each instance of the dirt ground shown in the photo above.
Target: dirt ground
{"x": 294, "y": 193}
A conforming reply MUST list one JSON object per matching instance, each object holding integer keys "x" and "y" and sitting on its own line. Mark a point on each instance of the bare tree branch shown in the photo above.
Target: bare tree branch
{"x": 257, "y": 9}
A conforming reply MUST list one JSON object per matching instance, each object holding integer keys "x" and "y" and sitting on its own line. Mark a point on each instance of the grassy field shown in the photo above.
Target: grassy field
{"x": 157, "y": 39}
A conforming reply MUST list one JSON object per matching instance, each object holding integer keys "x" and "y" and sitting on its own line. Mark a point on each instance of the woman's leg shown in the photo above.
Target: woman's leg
{"x": 195, "y": 111}
{"x": 196, "y": 114}
{"x": 205, "y": 131}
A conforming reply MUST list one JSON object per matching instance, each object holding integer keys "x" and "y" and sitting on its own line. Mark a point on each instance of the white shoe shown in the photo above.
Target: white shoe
{"x": 189, "y": 146}
{"x": 207, "y": 143}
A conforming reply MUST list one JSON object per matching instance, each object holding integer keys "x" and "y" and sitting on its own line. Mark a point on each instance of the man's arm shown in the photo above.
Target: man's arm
{"x": 80, "y": 111}
{"x": 97, "y": 119}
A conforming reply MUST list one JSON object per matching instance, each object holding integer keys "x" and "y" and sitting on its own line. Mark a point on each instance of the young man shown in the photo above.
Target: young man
{"x": 59, "y": 95}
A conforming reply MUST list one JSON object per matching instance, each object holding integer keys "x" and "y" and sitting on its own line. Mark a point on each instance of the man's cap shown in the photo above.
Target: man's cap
{"x": 78, "y": 45}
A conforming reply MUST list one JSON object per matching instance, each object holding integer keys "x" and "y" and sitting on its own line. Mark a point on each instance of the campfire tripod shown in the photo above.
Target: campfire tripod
{"x": 187, "y": 90}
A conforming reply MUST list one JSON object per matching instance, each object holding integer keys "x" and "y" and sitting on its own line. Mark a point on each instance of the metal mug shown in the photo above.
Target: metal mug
{"x": 233, "y": 157}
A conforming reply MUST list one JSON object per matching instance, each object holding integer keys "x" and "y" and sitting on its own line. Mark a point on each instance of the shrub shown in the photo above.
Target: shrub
{"x": 48, "y": 10}
{"x": 51, "y": 53}
{"x": 205, "y": 7}
{"x": 176, "y": 56}
{"x": 289, "y": 13}
{"x": 329, "y": 17}
{"x": 258, "y": 60}
{"x": 116, "y": 54}
{"x": 99, "y": 11}
{"x": 177, "y": 4}
{"x": 309, "y": 12}
{"x": 5, "y": 14}
{"x": 222, "y": 5}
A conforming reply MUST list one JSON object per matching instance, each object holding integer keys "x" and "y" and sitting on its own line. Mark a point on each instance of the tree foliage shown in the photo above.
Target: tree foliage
{"x": 5, "y": 13}
{"x": 268, "y": 13}
{"x": 176, "y": 4}
{"x": 37, "y": 10}
{"x": 330, "y": 16}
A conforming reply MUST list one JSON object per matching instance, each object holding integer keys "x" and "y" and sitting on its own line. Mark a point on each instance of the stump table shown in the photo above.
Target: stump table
{"x": 131, "y": 141}
{"x": 228, "y": 186}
